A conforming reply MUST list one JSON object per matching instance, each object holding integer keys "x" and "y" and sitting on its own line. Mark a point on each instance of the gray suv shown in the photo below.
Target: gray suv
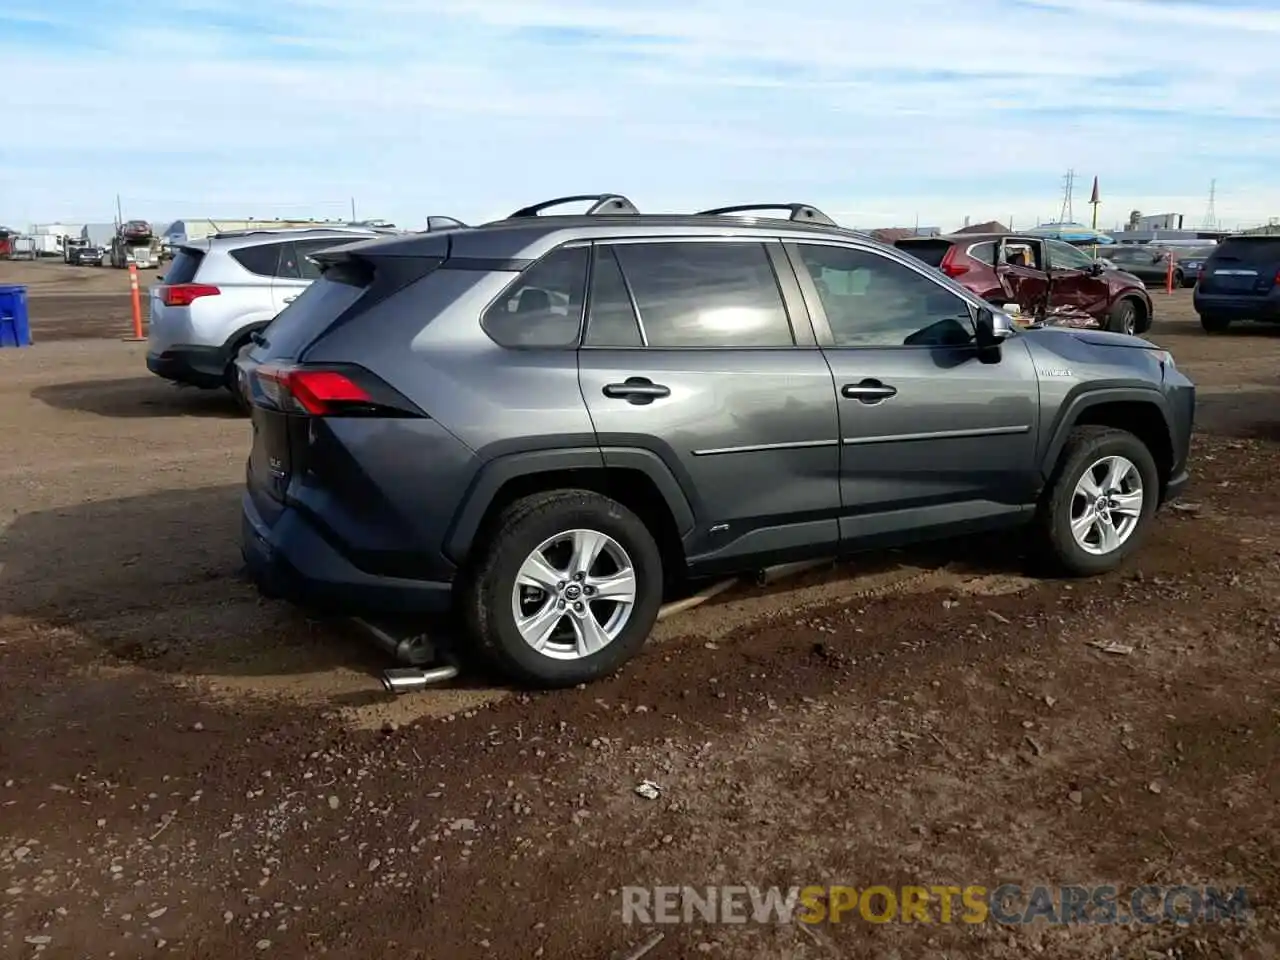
{"x": 544, "y": 422}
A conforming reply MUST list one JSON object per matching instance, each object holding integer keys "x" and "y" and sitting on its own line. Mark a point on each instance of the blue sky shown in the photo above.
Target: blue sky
{"x": 878, "y": 112}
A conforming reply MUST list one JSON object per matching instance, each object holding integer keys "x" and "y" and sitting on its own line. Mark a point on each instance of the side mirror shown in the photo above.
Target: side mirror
{"x": 990, "y": 330}
{"x": 1096, "y": 269}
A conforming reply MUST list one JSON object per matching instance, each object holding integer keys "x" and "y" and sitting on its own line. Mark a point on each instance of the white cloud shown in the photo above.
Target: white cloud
{"x": 877, "y": 111}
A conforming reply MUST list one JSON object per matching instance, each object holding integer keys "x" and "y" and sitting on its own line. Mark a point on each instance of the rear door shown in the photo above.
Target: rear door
{"x": 1024, "y": 280}
{"x": 699, "y": 351}
{"x": 1243, "y": 266}
{"x": 295, "y": 271}
{"x": 1077, "y": 290}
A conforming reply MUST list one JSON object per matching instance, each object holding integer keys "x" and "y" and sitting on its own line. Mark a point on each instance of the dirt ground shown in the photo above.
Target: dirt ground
{"x": 189, "y": 770}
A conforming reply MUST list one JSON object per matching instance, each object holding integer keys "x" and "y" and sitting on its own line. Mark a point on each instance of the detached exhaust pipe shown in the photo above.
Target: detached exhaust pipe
{"x": 400, "y": 680}
{"x": 416, "y": 651}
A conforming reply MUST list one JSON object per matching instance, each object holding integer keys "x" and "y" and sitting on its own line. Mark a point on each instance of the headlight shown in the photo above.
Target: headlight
{"x": 1166, "y": 358}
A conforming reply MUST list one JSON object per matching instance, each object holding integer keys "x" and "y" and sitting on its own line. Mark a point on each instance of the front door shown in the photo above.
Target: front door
{"x": 690, "y": 353}
{"x": 933, "y": 440}
{"x": 1020, "y": 267}
{"x": 1078, "y": 291}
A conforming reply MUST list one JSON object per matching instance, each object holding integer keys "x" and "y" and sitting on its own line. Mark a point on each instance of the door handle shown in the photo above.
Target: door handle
{"x": 636, "y": 390}
{"x": 291, "y": 299}
{"x": 868, "y": 391}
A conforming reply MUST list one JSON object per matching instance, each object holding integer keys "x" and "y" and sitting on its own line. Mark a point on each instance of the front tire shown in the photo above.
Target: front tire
{"x": 566, "y": 590}
{"x": 1099, "y": 502}
{"x": 1123, "y": 317}
{"x": 1212, "y": 324}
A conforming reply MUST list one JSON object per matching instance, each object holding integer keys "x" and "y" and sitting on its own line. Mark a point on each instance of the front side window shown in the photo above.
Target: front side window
{"x": 873, "y": 301}
{"x": 543, "y": 308}
{"x": 705, "y": 294}
{"x": 1064, "y": 256}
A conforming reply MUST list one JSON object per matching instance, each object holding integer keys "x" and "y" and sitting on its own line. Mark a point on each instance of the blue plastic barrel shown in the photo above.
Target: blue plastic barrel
{"x": 15, "y": 322}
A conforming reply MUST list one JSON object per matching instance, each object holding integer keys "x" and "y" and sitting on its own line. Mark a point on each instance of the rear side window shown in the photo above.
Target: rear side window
{"x": 611, "y": 317}
{"x": 185, "y": 264}
{"x": 1259, "y": 251}
{"x": 307, "y": 270}
{"x": 982, "y": 252}
{"x": 543, "y": 308}
{"x": 717, "y": 294}
{"x": 261, "y": 260}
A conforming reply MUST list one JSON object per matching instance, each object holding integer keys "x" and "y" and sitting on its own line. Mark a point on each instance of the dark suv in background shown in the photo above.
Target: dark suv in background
{"x": 1239, "y": 281}
{"x": 544, "y": 422}
{"x": 1049, "y": 280}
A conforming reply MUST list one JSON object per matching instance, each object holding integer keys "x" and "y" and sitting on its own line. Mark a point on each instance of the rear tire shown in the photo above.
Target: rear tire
{"x": 1213, "y": 324}
{"x": 542, "y": 535}
{"x": 1123, "y": 317}
{"x": 1071, "y": 530}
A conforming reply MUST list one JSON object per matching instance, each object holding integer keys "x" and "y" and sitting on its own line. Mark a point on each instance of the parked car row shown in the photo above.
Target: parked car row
{"x": 545, "y": 423}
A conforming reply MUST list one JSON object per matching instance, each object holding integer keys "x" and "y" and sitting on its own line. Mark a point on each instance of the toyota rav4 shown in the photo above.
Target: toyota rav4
{"x": 542, "y": 423}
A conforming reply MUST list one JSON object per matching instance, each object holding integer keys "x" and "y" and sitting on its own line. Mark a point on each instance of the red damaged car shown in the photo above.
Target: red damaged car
{"x": 1051, "y": 281}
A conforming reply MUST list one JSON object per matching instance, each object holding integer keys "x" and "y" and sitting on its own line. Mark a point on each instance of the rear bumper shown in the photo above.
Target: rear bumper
{"x": 197, "y": 365}
{"x": 291, "y": 561}
{"x": 1236, "y": 307}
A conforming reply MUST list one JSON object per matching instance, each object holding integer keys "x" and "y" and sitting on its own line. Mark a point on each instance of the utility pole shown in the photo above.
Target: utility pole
{"x": 1068, "y": 198}
{"x": 119, "y": 215}
{"x": 1211, "y": 214}
{"x": 353, "y": 209}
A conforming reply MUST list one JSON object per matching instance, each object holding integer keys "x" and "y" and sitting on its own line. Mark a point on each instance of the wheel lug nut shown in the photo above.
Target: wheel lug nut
{"x": 560, "y": 585}
{"x": 577, "y": 607}
{"x": 579, "y": 576}
{"x": 588, "y": 590}
{"x": 560, "y": 605}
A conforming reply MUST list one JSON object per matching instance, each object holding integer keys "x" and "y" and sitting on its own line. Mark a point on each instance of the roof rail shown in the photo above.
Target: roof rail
{"x": 798, "y": 211}
{"x": 443, "y": 223}
{"x": 604, "y": 203}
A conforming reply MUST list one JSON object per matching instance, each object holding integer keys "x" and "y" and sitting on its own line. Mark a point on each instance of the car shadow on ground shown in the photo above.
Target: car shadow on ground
{"x": 157, "y": 581}
{"x": 138, "y": 397}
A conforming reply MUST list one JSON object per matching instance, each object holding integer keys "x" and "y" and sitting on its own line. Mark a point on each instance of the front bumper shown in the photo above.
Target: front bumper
{"x": 291, "y": 561}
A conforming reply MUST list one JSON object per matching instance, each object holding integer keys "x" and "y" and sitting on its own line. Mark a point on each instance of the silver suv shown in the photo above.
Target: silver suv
{"x": 220, "y": 291}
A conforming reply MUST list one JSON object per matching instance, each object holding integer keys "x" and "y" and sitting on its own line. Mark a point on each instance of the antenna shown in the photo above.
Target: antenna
{"x": 1211, "y": 213}
{"x": 1068, "y": 214}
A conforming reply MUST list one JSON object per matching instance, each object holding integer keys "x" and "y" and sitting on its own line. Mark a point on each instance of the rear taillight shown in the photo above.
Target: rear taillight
{"x": 182, "y": 294}
{"x": 346, "y": 391}
{"x": 951, "y": 267}
{"x": 1199, "y": 274}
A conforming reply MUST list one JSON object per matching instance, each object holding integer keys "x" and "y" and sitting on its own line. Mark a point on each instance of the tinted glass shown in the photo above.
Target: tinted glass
{"x": 544, "y": 307}
{"x": 306, "y": 248}
{"x": 1254, "y": 250}
{"x": 611, "y": 319}
{"x": 298, "y": 324}
{"x": 260, "y": 260}
{"x": 930, "y": 251}
{"x": 872, "y": 301}
{"x": 185, "y": 264}
{"x": 705, "y": 294}
{"x": 287, "y": 266}
{"x": 1127, "y": 255}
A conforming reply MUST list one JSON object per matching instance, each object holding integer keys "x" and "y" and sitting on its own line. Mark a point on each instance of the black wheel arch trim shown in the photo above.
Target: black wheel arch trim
{"x": 500, "y": 469}
{"x": 240, "y": 336}
{"x": 1088, "y": 395}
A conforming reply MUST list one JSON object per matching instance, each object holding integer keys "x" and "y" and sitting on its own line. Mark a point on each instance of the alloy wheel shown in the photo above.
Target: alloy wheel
{"x": 1106, "y": 505}
{"x": 574, "y": 594}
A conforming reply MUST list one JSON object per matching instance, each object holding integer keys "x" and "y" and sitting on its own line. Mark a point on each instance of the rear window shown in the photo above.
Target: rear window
{"x": 316, "y": 308}
{"x": 185, "y": 264}
{"x": 1255, "y": 250}
{"x": 930, "y": 251}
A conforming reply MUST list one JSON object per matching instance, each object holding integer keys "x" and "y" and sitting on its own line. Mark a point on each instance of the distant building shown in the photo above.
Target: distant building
{"x": 893, "y": 234}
